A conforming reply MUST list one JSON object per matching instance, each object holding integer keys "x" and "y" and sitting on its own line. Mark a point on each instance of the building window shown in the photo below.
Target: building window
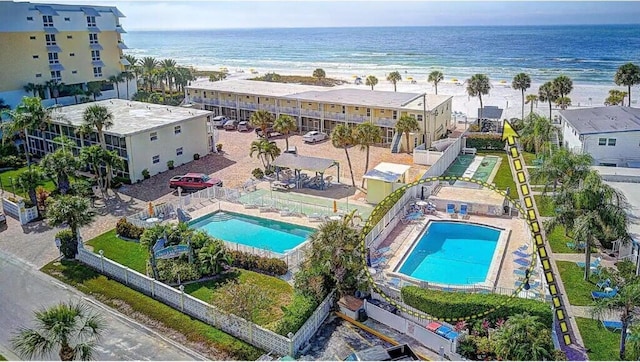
{"x": 72, "y": 54}
{"x": 55, "y": 75}
{"x": 153, "y": 136}
{"x": 69, "y": 36}
{"x": 357, "y": 108}
{"x": 156, "y": 159}
{"x": 91, "y": 21}
{"x": 47, "y": 21}
{"x": 50, "y": 38}
{"x": 53, "y": 58}
{"x": 177, "y": 129}
{"x": 419, "y": 119}
{"x": 32, "y": 37}
{"x": 344, "y": 109}
{"x": 612, "y": 142}
{"x": 29, "y": 18}
{"x": 67, "y": 19}
{"x": 395, "y": 114}
{"x": 36, "y": 56}
{"x": 95, "y": 55}
{"x": 97, "y": 72}
{"x": 74, "y": 72}
{"x": 93, "y": 38}
{"x": 602, "y": 141}
{"x": 368, "y": 112}
{"x": 38, "y": 75}
{"x": 179, "y": 151}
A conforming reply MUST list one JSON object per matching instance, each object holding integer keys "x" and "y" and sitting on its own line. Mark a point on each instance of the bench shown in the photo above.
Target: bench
{"x": 469, "y": 151}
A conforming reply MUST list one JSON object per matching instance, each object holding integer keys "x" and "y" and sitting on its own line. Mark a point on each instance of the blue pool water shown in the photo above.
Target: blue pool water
{"x": 452, "y": 253}
{"x": 253, "y": 231}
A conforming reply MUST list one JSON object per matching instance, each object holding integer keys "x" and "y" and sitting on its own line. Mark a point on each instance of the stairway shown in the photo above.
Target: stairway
{"x": 395, "y": 142}
{"x": 220, "y": 216}
{"x": 554, "y": 140}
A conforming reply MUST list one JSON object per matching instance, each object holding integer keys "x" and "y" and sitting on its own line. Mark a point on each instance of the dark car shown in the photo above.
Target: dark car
{"x": 231, "y": 124}
{"x": 194, "y": 181}
{"x": 244, "y": 126}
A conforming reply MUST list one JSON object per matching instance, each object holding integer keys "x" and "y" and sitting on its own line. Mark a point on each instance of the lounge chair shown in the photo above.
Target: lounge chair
{"x": 380, "y": 252}
{"x": 394, "y": 282}
{"x": 522, "y": 261}
{"x": 604, "y": 295}
{"x": 523, "y": 272}
{"x": 451, "y": 210}
{"x": 579, "y": 246}
{"x": 603, "y": 284}
{"x": 594, "y": 264}
{"x": 532, "y": 285}
{"x": 377, "y": 261}
{"x": 286, "y": 212}
{"x": 316, "y": 217}
{"x": 452, "y": 335}
{"x": 433, "y": 326}
{"x": 521, "y": 254}
{"x": 443, "y": 331}
{"x": 612, "y": 325}
{"x": 464, "y": 212}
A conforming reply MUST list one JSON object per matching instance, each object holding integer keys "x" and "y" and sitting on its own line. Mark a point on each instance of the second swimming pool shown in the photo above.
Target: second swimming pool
{"x": 253, "y": 231}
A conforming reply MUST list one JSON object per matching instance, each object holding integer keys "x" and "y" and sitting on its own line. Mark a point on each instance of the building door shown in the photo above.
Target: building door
{"x": 389, "y": 137}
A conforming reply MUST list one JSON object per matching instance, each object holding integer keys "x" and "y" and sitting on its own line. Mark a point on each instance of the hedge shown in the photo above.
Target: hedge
{"x": 489, "y": 141}
{"x": 296, "y": 314}
{"x": 260, "y": 264}
{"x": 385, "y": 206}
{"x": 128, "y": 230}
{"x": 454, "y": 305}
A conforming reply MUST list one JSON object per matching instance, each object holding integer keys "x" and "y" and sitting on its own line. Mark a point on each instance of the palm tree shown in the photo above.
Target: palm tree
{"x": 31, "y": 87}
{"x": 54, "y": 87}
{"x": 521, "y": 82}
{"x": 98, "y": 158}
{"x": 478, "y": 85}
{"x": 262, "y": 119}
{"x": 371, "y": 81}
{"x": 563, "y": 102}
{"x": 342, "y": 137}
{"x": 407, "y": 124}
{"x": 629, "y": 75}
{"x": 183, "y": 77}
{"x": 70, "y": 327}
{"x": 73, "y": 211}
{"x": 76, "y": 91}
{"x": 29, "y": 180}
{"x": 265, "y": 150}
{"x": 394, "y": 78}
{"x": 319, "y": 74}
{"x": 536, "y": 133}
{"x": 365, "y": 135}
{"x": 531, "y": 98}
{"x": 59, "y": 166}
{"x": 624, "y": 303}
{"x": 213, "y": 257}
{"x": 115, "y": 80}
{"x": 523, "y": 338}
{"x": 149, "y": 65}
{"x": 100, "y": 118}
{"x": 29, "y": 115}
{"x": 169, "y": 68}
{"x": 548, "y": 93}
{"x": 615, "y": 98}
{"x": 562, "y": 167}
{"x": 563, "y": 85}
{"x": 285, "y": 124}
{"x": 436, "y": 77}
{"x": 94, "y": 89}
{"x": 127, "y": 76}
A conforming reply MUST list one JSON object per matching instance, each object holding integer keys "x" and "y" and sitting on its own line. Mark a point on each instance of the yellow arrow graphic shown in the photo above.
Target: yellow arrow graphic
{"x": 509, "y": 134}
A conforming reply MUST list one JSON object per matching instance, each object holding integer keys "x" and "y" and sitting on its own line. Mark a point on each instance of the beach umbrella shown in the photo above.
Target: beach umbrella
{"x": 503, "y": 81}
{"x": 454, "y": 79}
{"x": 409, "y": 78}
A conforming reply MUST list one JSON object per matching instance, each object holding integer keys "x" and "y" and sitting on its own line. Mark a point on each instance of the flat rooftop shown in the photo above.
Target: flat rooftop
{"x": 255, "y": 87}
{"x": 630, "y": 190}
{"x": 603, "y": 119}
{"x": 359, "y": 97}
{"x": 470, "y": 196}
{"x": 433, "y": 100}
{"x": 129, "y": 117}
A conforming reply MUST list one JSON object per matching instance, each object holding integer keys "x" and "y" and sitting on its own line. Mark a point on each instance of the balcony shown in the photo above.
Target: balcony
{"x": 268, "y": 107}
{"x": 334, "y": 116}
{"x": 249, "y": 106}
{"x": 289, "y": 110}
{"x": 122, "y": 45}
{"x": 227, "y": 103}
{"x": 384, "y": 121}
{"x": 358, "y": 118}
{"x": 212, "y": 101}
{"x": 119, "y": 29}
{"x": 195, "y": 99}
{"x": 92, "y": 28}
{"x": 310, "y": 113}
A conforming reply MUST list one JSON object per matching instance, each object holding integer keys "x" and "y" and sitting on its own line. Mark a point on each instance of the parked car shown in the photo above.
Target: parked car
{"x": 314, "y": 136}
{"x": 219, "y": 121}
{"x": 231, "y": 124}
{"x": 292, "y": 150}
{"x": 194, "y": 181}
{"x": 3, "y": 219}
{"x": 244, "y": 126}
{"x": 270, "y": 132}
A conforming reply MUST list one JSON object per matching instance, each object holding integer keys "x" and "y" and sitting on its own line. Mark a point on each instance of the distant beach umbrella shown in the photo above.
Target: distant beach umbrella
{"x": 454, "y": 79}
{"x": 409, "y": 78}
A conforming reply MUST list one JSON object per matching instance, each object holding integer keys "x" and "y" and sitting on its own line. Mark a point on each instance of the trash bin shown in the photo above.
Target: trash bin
{"x": 362, "y": 315}
{"x": 506, "y": 209}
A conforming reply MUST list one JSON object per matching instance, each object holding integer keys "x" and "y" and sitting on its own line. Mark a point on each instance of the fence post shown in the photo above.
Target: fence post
{"x": 181, "y": 297}
{"x": 153, "y": 287}
{"x": 101, "y": 252}
{"x": 126, "y": 275}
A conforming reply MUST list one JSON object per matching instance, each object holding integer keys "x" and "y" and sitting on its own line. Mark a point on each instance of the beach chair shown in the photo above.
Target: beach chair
{"x": 452, "y": 335}
{"x": 594, "y": 264}
{"x": 522, "y": 261}
{"x": 532, "y": 285}
{"x": 380, "y": 252}
{"x": 612, "y": 325}
{"x": 316, "y": 217}
{"x": 443, "y": 331}
{"x": 451, "y": 210}
{"x": 394, "y": 282}
{"x": 433, "y": 326}
{"x": 604, "y": 284}
{"x": 464, "y": 212}
{"x": 377, "y": 261}
{"x": 523, "y": 272}
{"x": 521, "y": 254}
{"x": 580, "y": 246}
{"x": 413, "y": 216}
{"x": 596, "y": 294}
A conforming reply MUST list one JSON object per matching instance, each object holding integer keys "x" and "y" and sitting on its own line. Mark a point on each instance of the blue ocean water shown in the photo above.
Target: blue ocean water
{"x": 452, "y": 253}
{"x": 587, "y": 54}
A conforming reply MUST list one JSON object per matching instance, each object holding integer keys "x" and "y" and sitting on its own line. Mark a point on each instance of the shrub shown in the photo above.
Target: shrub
{"x": 455, "y": 305}
{"x": 489, "y": 141}
{"x": 296, "y": 314}
{"x": 196, "y": 156}
{"x": 219, "y": 147}
{"x": 146, "y": 174}
{"x": 11, "y": 162}
{"x": 169, "y": 271}
{"x": 270, "y": 266}
{"x": 170, "y": 164}
{"x": 68, "y": 243}
{"x": 120, "y": 179}
{"x": 385, "y": 206}
{"x": 8, "y": 149}
{"x": 257, "y": 173}
{"x": 128, "y": 230}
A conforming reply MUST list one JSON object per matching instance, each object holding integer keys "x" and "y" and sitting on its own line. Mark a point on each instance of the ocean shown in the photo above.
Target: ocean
{"x": 588, "y": 54}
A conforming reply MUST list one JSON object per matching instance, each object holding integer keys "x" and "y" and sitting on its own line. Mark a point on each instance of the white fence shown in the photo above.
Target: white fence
{"x": 425, "y": 157}
{"x": 447, "y": 158}
{"x": 293, "y": 258}
{"x": 236, "y": 326}
{"x": 19, "y": 211}
{"x": 161, "y": 212}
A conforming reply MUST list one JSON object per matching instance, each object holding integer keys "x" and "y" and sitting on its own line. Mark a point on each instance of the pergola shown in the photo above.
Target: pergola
{"x": 298, "y": 163}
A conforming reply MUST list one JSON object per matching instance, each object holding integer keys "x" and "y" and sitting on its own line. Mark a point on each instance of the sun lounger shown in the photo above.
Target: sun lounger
{"x": 394, "y": 282}
{"x": 522, "y": 261}
{"x": 612, "y": 325}
{"x": 604, "y": 295}
{"x": 532, "y": 285}
{"x": 523, "y": 272}
{"x": 286, "y": 212}
{"x": 381, "y": 251}
{"x": 433, "y": 326}
{"x": 452, "y": 335}
{"x": 376, "y": 261}
{"x": 580, "y": 246}
{"x": 521, "y": 254}
{"x": 443, "y": 331}
{"x": 316, "y": 217}
{"x": 413, "y": 216}
{"x": 451, "y": 210}
{"x": 464, "y": 211}
{"x": 594, "y": 264}
{"x": 603, "y": 284}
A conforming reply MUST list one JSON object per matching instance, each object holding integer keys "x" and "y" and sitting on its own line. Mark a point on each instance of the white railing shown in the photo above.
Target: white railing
{"x": 161, "y": 212}
{"x": 447, "y": 158}
{"x": 234, "y": 325}
{"x": 18, "y": 210}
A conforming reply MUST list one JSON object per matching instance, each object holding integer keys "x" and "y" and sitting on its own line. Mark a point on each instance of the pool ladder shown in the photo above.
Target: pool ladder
{"x": 220, "y": 216}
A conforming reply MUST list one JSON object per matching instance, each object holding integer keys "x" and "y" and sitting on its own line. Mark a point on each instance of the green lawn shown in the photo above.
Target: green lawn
{"x": 503, "y": 178}
{"x": 128, "y": 253}
{"x": 2, "y": 358}
{"x": 603, "y": 344}
{"x": 7, "y": 176}
{"x": 114, "y": 294}
{"x": 558, "y": 241}
{"x": 528, "y": 158}
{"x": 545, "y": 205}
{"x": 578, "y": 290}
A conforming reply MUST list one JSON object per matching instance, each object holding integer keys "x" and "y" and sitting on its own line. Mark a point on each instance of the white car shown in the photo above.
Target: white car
{"x": 219, "y": 121}
{"x": 314, "y": 136}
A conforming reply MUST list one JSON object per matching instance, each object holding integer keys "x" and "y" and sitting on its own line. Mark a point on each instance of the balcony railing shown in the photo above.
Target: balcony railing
{"x": 310, "y": 113}
{"x": 231, "y": 104}
{"x": 383, "y": 121}
{"x": 250, "y": 106}
{"x": 289, "y": 110}
{"x": 211, "y": 101}
{"x": 196, "y": 99}
{"x": 268, "y": 107}
{"x": 334, "y": 116}
{"x": 358, "y": 118}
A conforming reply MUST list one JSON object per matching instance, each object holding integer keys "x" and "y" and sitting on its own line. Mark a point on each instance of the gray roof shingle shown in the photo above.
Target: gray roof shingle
{"x": 603, "y": 119}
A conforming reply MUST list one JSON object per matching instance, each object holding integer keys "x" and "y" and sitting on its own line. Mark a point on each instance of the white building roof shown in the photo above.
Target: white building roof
{"x": 358, "y": 97}
{"x": 130, "y": 117}
{"x": 388, "y": 172}
{"x": 603, "y": 119}
{"x": 255, "y": 87}
{"x": 433, "y": 101}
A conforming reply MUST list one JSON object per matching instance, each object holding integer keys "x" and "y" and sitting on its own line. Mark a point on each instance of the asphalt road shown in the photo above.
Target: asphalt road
{"x": 24, "y": 289}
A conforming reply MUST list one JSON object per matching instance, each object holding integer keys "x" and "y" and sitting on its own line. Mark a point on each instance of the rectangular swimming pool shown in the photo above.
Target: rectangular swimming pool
{"x": 253, "y": 231}
{"x": 452, "y": 253}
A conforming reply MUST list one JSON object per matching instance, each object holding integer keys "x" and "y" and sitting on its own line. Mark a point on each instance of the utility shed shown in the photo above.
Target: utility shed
{"x": 384, "y": 179}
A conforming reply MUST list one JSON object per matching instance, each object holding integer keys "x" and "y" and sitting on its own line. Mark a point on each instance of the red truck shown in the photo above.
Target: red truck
{"x": 194, "y": 181}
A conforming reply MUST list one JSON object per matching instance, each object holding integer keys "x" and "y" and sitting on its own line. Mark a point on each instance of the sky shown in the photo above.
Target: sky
{"x": 183, "y": 14}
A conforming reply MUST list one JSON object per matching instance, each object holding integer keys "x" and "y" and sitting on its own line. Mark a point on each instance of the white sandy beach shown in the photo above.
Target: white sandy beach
{"x": 501, "y": 94}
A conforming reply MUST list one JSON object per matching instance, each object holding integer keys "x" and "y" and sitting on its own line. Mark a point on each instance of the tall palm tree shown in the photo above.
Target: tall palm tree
{"x": 365, "y": 135}
{"x": 629, "y": 75}
{"x": 262, "y": 119}
{"x": 394, "y": 78}
{"x": 616, "y": 97}
{"x": 76, "y": 91}
{"x": 563, "y": 85}
{"x": 71, "y": 328}
{"x": 149, "y": 71}
{"x": 285, "y": 124}
{"x": 523, "y": 338}
{"x": 29, "y": 115}
{"x": 624, "y": 303}
{"x": 31, "y": 87}
{"x": 169, "y": 68}
{"x": 319, "y": 74}
{"x": 477, "y": 86}
{"x": 563, "y": 102}
{"x": 94, "y": 89}
{"x": 127, "y": 76}
{"x": 54, "y": 86}
{"x": 98, "y": 158}
{"x": 59, "y": 166}
{"x": 407, "y": 124}
{"x": 29, "y": 180}
{"x": 73, "y": 211}
{"x": 562, "y": 167}
{"x": 342, "y": 137}
{"x": 184, "y": 76}
{"x": 116, "y": 80}
{"x": 531, "y": 99}
{"x": 536, "y": 133}
{"x": 436, "y": 77}
{"x": 265, "y": 150}
{"x": 98, "y": 118}
{"x": 548, "y": 93}
{"x": 521, "y": 82}
{"x": 371, "y": 81}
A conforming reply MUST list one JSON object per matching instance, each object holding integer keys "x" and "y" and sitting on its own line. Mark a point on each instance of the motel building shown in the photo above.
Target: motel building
{"x": 322, "y": 108}
{"x": 145, "y": 135}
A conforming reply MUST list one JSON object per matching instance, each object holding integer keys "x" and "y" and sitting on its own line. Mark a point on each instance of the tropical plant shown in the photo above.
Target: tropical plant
{"x": 371, "y": 81}
{"x": 76, "y": 91}
{"x": 3, "y": 105}
{"x": 262, "y": 119}
{"x": 342, "y": 137}
{"x": 71, "y": 328}
{"x": 98, "y": 158}
{"x": 246, "y": 300}
{"x": 531, "y": 99}
{"x": 214, "y": 257}
{"x": 407, "y": 124}
{"x": 59, "y": 166}
{"x": 627, "y": 74}
{"x": 616, "y": 97}
{"x": 127, "y": 76}
{"x": 31, "y": 88}
{"x": 548, "y": 93}
{"x": 521, "y": 82}
{"x": 73, "y": 211}
{"x": 217, "y": 76}
{"x": 319, "y": 74}
{"x": 169, "y": 70}
{"x": 536, "y": 133}
{"x": 54, "y": 86}
{"x": 149, "y": 71}
{"x": 101, "y": 119}
{"x": 29, "y": 115}
{"x": 94, "y": 89}
{"x": 29, "y": 180}
{"x": 563, "y": 102}
{"x": 366, "y": 135}
{"x": 477, "y": 86}
{"x": 394, "y": 78}
{"x": 563, "y": 85}
{"x": 265, "y": 150}
{"x": 285, "y": 124}
{"x": 562, "y": 167}
{"x": 436, "y": 77}
{"x": 115, "y": 80}
{"x": 523, "y": 338}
